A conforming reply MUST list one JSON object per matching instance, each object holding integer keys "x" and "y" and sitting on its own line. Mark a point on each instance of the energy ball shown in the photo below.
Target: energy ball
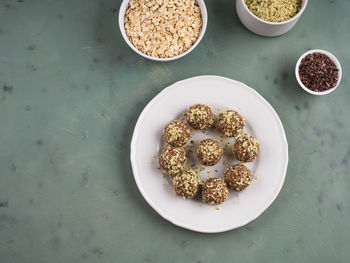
{"x": 246, "y": 148}
{"x": 186, "y": 184}
{"x": 176, "y": 133}
{"x": 214, "y": 191}
{"x": 230, "y": 123}
{"x": 238, "y": 177}
{"x": 209, "y": 152}
{"x": 172, "y": 160}
{"x": 200, "y": 116}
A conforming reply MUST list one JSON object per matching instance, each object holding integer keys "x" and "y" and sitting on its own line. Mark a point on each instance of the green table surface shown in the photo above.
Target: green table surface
{"x": 71, "y": 92}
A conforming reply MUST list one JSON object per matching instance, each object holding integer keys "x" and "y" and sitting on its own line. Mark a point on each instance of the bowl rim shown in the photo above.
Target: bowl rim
{"x": 296, "y": 17}
{"x": 121, "y": 16}
{"x": 332, "y": 57}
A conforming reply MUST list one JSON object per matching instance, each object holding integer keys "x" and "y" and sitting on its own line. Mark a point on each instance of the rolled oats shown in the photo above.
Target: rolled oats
{"x": 163, "y": 28}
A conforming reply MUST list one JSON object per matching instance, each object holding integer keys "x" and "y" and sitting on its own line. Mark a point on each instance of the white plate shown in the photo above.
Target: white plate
{"x": 261, "y": 121}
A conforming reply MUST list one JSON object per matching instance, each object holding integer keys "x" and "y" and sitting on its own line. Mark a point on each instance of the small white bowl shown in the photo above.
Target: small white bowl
{"x": 204, "y": 14}
{"x": 332, "y": 57}
{"x": 262, "y": 27}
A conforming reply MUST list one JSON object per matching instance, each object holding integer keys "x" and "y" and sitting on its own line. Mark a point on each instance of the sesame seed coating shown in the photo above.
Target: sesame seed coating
{"x": 238, "y": 177}
{"x": 200, "y": 116}
{"x": 176, "y": 133}
{"x": 209, "y": 152}
{"x": 214, "y": 191}
{"x": 186, "y": 184}
{"x": 172, "y": 160}
{"x": 230, "y": 123}
{"x": 246, "y": 148}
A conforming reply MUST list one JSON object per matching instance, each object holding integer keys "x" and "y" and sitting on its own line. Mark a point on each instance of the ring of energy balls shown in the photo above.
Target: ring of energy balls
{"x": 200, "y": 116}
{"x": 176, "y": 133}
{"x": 238, "y": 177}
{"x": 246, "y": 148}
{"x": 172, "y": 160}
{"x": 209, "y": 152}
{"x": 214, "y": 191}
{"x": 186, "y": 184}
{"x": 230, "y": 123}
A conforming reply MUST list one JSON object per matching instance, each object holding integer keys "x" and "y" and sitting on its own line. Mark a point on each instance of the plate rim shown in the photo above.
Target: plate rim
{"x": 145, "y": 195}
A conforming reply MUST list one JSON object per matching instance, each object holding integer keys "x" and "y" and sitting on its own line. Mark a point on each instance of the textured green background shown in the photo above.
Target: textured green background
{"x": 71, "y": 92}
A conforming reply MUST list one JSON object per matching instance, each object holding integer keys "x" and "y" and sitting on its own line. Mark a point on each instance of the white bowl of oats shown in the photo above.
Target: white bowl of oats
{"x": 163, "y": 30}
{"x": 270, "y": 18}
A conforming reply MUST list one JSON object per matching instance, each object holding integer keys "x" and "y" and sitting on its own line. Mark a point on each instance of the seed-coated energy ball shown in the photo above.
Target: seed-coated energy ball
{"x": 246, "y": 148}
{"x": 214, "y": 191}
{"x": 200, "y": 116}
{"x": 176, "y": 133}
{"x": 230, "y": 123}
{"x": 172, "y": 160}
{"x": 186, "y": 184}
{"x": 209, "y": 152}
{"x": 238, "y": 177}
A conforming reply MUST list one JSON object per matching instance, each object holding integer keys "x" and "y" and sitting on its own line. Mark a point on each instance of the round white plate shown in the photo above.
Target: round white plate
{"x": 262, "y": 122}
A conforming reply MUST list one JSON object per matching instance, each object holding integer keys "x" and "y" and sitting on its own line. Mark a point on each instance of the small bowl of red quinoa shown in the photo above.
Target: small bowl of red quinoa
{"x": 318, "y": 72}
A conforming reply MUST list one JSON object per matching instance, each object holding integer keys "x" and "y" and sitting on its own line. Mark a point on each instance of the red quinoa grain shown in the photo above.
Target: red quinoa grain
{"x": 318, "y": 72}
